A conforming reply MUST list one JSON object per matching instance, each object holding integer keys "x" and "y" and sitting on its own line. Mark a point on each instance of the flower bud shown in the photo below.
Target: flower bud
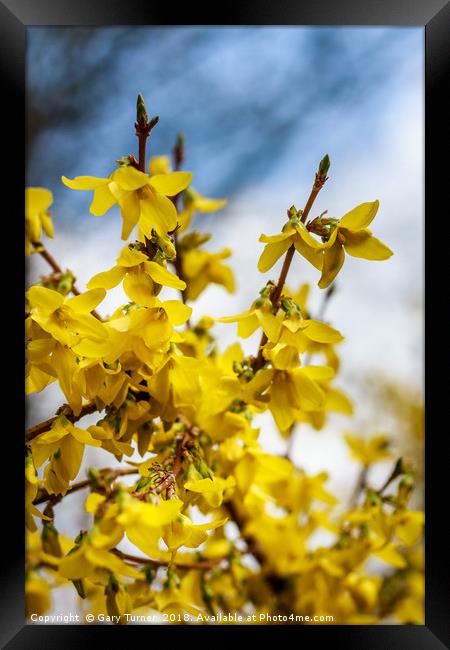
{"x": 324, "y": 166}
{"x": 141, "y": 110}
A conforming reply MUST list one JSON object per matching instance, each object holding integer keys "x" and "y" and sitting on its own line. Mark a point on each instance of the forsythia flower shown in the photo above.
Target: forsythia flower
{"x": 68, "y": 320}
{"x": 64, "y": 445}
{"x": 157, "y": 538}
{"x": 143, "y": 199}
{"x": 193, "y": 200}
{"x": 368, "y": 451}
{"x": 37, "y": 217}
{"x": 201, "y": 268}
{"x": 351, "y": 235}
{"x": 295, "y": 234}
{"x": 140, "y": 276}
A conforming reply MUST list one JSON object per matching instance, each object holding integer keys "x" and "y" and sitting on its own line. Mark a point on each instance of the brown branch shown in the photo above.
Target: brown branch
{"x": 360, "y": 486}
{"x": 203, "y": 564}
{"x": 37, "y": 429}
{"x": 276, "y": 292}
{"x": 178, "y": 158}
{"x": 44, "y": 496}
{"x": 40, "y": 248}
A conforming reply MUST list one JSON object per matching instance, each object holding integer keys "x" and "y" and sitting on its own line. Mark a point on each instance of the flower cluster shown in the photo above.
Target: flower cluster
{"x": 180, "y": 417}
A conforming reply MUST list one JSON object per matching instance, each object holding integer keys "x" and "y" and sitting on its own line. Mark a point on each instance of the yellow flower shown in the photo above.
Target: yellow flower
{"x": 201, "y": 268}
{"x": 196, "y": 202}
{"x": 182, "y": 532}
{"x": 64, "y": 445}
{"x": 259, "y": 315}
{"x": 351, "y": 235}
{"x": 143, "y": 199}
{"x": 408, "y": 526}
{"x": 368, "y": 451}
{"x": 186, "y": 596}
{"x": 211, "y": 489}
{"x": 145, "y": 523}
{"x": 193, "y": 200}
{"x": 145, "y": 330}
{"x": 294, "y": 233}
{"x": 68, "y": 320}
{"x": 141, "y": 277}
{"x": 86, "y": 558}
{"x": 31, "y": 490}
{"x": 37, "y": 217}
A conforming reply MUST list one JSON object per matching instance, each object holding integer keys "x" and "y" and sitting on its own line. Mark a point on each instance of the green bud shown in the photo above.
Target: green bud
{"x": 66, "y": 283}
{"x": 153, "y": 122}
{"x": 324, "y": 166}
{"x": 141, "y": 110}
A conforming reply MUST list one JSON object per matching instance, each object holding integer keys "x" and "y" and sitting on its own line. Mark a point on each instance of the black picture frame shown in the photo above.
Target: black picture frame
{"x": 434, "y": 16}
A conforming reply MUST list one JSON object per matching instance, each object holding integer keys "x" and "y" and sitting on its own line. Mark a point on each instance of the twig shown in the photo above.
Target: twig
{"x": 319, "y": 182}
{"x": 360, "y": 486}
{"x": 40, "y": 248}
{"x": 203, "y": 564}
{"x": 37, "y": 429}
{"x": 114, "y": 473}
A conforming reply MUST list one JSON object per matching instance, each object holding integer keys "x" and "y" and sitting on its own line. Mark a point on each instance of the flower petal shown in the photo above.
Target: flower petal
{"x": 360, "y": 217}
{"x": 313, "y": 255}
{"x": 203, "y": 204}
{"x": 87, "y": 301}
{"x": 37, "y": 199}
{"x": 84, "y": 182}
{"x": 163, "y": 276}
{"x": 139, "y": 288}
{"x": 46, "y": 301}
{"x": 158, "y": 212}
{"x": 307, "y": 237}
{"x": 310, "y": 395}
{"x": 107, "y": 279}
{"x": 103, "y": 200}
{"x": 272, "y": 253}
{"x": 273, "y": 239}
{"x": 333, "y": 259}
{"x": 177, "y": 312}
{"x": 172, "y": 183}
{"x": 364, "y": 245}
{"x": 129, "y": 178}
{"x": 130, "y": 208}
{"x": 321, "y": 332}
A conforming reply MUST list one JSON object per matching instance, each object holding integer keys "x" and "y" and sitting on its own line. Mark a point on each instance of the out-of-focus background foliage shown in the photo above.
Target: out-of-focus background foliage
{"x": 259, "y": 107}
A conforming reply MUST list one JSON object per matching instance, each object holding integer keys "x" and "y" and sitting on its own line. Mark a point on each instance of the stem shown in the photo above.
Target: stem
{"x": 319, "y": 182}
{"x": 396, "y": 472}
{"x": 37, "y": 429}
{"x": 45, "y": 496}
{"x": 360, "y": 485}
{"x": 204, "y": 564}
{"x": 40, "y": 248}
{"x": 178, "y": 157}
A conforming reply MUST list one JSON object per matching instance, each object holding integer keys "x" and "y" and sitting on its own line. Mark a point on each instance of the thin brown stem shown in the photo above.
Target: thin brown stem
{"x": 277, "y": 291}
{"x": 43, "y": 252}
{"x": 37, "y": 429}
{"x": 44, "y": 496}
{"x": 203, "y": 564}
{"x": 360, "y": 486}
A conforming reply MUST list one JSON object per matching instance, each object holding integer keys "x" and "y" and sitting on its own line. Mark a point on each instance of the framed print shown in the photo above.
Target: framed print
{"x": 226, "y": 350}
